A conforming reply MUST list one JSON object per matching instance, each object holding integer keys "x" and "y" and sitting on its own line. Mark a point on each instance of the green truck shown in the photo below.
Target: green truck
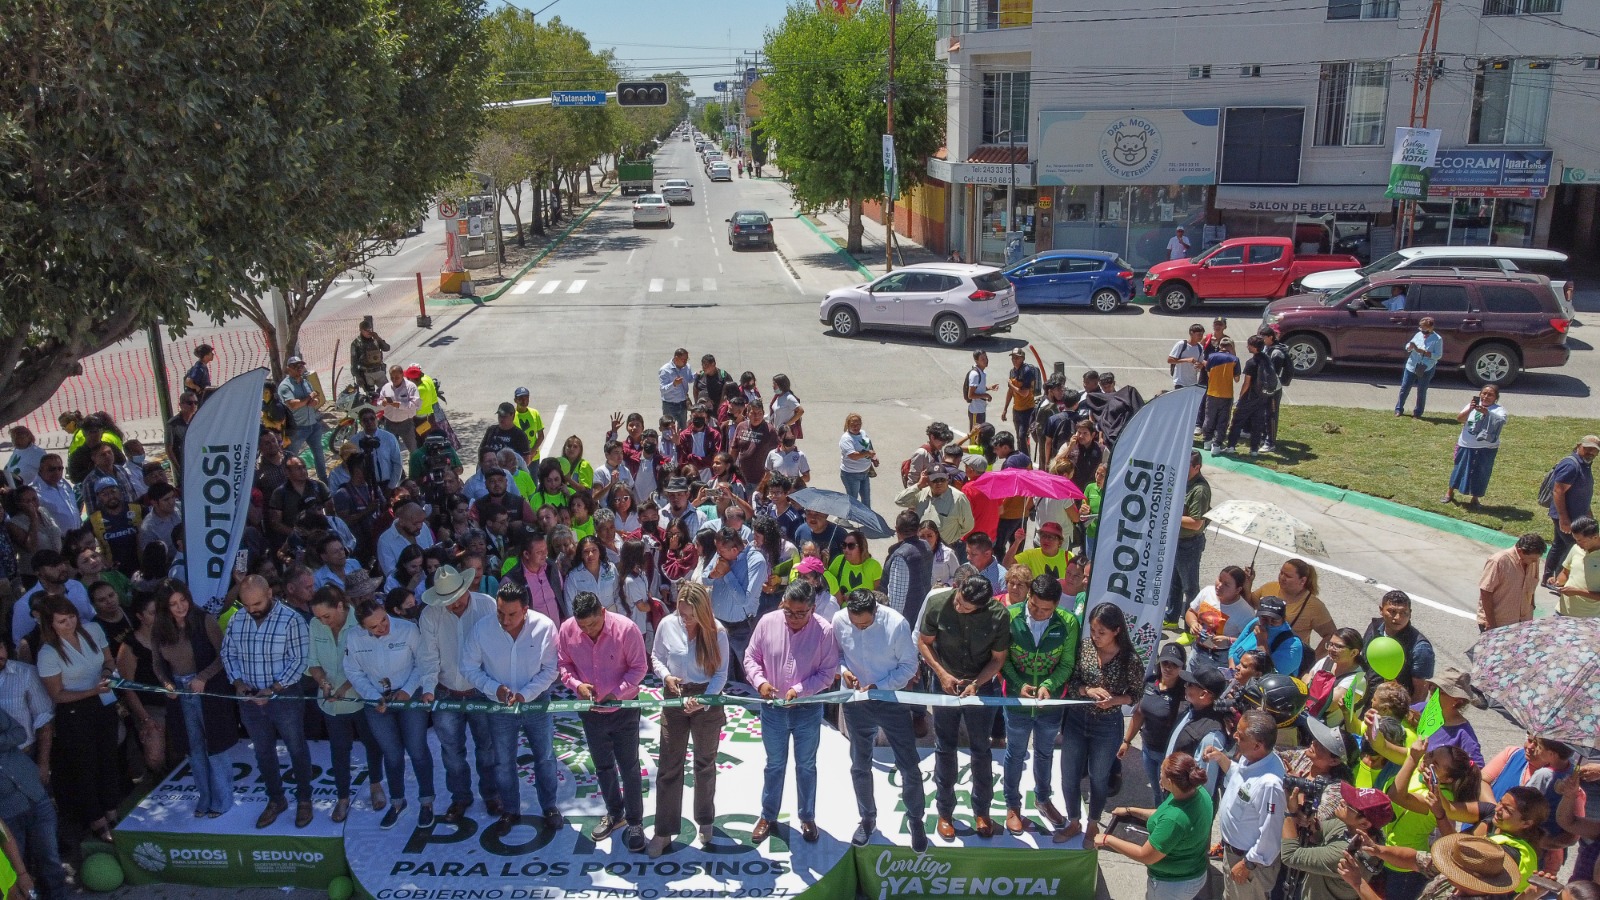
{"x": 637, "y": 176}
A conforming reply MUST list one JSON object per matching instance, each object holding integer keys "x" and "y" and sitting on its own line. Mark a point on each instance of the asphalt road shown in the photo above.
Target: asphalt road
{"x": 587, "y": 329}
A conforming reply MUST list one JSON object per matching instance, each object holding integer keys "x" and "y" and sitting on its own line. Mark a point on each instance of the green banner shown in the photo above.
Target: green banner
{"x": 209, "y": 859}
{"x": 1407, "y": 182}
{"x": 899, "y": 873}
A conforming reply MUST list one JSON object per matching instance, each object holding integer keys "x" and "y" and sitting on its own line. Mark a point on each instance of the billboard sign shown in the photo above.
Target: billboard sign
{"x": 1128, "y": 147}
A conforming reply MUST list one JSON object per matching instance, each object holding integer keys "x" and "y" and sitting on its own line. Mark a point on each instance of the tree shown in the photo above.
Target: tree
{"x": 711, "y": 119}
{"x": 825, "y": 108}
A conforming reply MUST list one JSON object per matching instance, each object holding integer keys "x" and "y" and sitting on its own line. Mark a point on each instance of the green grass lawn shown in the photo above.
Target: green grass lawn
{"x": 1408, "y": 461}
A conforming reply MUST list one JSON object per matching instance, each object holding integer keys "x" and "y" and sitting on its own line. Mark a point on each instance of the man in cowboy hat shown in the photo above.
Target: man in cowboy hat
{"x": 450, "y": 610}
{"x": 1463, "y": 865}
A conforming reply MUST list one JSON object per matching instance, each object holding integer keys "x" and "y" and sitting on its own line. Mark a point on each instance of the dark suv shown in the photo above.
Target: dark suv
{"x": 1493, "y": 326}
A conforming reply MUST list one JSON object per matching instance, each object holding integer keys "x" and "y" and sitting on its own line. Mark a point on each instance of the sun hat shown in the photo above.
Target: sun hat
{"x": 1475, "y": 864}
{"x": 448, "y": 586}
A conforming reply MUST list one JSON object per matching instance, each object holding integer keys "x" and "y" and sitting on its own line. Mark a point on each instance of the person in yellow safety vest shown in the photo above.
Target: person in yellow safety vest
{"x": 529, "y": 420}
{"x": 428, "y": 392}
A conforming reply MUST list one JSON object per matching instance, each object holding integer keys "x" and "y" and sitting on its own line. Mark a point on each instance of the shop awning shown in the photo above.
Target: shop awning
{"x": 1305, "y": 199}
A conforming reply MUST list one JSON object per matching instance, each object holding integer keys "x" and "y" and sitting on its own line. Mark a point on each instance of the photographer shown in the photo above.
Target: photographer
{"x": 432, "y": 457}
{"x": 1315, "y": 839}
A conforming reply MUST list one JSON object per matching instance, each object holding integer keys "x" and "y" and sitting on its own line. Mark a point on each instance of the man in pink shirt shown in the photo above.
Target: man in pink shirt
{"x": 534, "y": 572}
{"x": 600, "y": 656}
{"x": 792, "y": 654}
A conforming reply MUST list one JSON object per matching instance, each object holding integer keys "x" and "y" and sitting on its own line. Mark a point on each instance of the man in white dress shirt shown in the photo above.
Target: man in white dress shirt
{"x": 450, "y": 611}
{"x": 512, "y": 660}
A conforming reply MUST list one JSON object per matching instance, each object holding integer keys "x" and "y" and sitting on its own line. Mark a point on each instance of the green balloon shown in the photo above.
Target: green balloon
{"x": 102, "y": 872}
{"x": 1385, "y": 656}
{"x": 341, "y": 888}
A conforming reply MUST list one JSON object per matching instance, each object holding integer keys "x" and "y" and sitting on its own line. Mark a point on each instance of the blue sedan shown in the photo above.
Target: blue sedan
{"x": 1095, "y": 278}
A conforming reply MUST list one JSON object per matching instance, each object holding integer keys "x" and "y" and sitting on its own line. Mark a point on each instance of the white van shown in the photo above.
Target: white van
{"x": 1549, "y": 263}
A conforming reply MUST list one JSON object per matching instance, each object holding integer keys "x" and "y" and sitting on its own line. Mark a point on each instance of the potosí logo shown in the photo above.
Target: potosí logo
{"x": 150, "y": 857}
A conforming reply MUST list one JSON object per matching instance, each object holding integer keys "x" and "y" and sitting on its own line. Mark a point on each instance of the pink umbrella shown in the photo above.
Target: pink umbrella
{"x": 1004, "y": 483}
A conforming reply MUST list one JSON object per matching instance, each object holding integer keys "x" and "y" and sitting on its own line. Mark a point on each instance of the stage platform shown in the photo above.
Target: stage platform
{"x": 161, "y": 841}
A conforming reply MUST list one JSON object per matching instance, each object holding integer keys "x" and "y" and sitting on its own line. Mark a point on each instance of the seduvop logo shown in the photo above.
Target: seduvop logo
{"x": 1130, "y": 147}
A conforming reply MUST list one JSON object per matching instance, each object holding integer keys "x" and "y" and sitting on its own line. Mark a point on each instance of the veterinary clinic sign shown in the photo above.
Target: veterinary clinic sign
{"x": 1128, "y": 147}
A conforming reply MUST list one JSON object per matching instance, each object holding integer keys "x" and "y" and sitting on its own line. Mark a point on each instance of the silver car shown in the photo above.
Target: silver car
{"x": 677, "y": 190}
{"x": 720, "y": 171}
{"x": 951, "y": 300}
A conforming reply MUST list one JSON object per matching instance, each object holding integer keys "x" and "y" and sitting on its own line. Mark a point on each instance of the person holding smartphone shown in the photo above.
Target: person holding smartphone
{"x": 1423, "y": 353}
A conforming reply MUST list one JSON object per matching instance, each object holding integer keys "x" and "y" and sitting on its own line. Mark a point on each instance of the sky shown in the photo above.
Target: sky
{"x": 700, "y": 38}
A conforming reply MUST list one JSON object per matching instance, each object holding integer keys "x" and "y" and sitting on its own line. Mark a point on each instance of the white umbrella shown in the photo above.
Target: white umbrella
{"x": 1269, "y": 524}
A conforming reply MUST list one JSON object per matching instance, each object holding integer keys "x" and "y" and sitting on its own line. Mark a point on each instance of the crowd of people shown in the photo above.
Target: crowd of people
{"x": 394, "y": 593}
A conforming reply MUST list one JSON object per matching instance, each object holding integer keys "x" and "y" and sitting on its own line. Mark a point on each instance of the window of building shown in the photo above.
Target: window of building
{"x": 1199, "y": 71}
{"x": 1249, "y": 71}
{"x": 1351, "y": 100}
{"x": 1261, "y": 145}
{"x": 1365, "y": 9}
{"x": 1510, "y": 101}
{"x": 1520, "y": 7}
{"x": 1005, "y": 107}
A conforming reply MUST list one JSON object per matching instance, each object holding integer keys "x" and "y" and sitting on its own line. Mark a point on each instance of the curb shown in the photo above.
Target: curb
{"x": 843, "y": 253}
{"x": 537, "y": 257}
{"x": 1400, "y": 511}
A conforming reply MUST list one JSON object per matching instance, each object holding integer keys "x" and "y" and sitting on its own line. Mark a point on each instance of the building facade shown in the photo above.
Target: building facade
{"x": 1074, "y": 126}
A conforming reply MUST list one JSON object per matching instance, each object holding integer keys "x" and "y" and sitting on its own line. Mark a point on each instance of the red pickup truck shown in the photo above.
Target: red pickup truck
{"x": 1248, "y": 269}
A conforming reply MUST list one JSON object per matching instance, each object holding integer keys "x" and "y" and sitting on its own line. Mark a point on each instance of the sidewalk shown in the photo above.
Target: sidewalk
{"x": 834, "y": 228}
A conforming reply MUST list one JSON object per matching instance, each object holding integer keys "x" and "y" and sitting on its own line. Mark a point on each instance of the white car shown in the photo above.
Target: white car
{"x": 720, "y": 171}
{"x": 951, "y": 300}
{"x": 1501, "y": 260}
{"x": 651, "y": 209}
{"x": 677, "y": 190}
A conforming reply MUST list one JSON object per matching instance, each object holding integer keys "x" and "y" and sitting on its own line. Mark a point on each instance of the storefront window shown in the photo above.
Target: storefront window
{"x": 1473, "y": 222}
{"x": 1134, "y": 222}
{"x": 1006, "y": 238}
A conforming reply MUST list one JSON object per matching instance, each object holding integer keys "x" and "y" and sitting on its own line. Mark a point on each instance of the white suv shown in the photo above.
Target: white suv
{"x": 952, "y": 300}
{"x": 1500, "y": 260}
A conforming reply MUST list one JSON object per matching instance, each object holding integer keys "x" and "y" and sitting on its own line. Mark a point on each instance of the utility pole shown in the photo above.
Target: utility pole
{"x": 889, "y": 180}
{"x": 158, "y": 363}
{"x": 1421, "y": 88}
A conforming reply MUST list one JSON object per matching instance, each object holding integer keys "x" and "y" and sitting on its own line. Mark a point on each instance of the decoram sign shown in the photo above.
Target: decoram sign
{"x": 1147, "y": 146}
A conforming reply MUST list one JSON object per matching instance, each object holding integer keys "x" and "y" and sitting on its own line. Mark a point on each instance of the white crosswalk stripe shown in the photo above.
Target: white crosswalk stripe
{"x": 657, "y": 285}
{"x": 550, "y": 287}
{"x": 683, "y": 284}
{"x": 576, "y": 286}
{"x": 524, "y": 287}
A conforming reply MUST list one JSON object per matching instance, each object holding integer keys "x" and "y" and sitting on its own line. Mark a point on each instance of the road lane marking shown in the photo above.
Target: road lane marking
{"x": 657, "y": 285}
{"x": 709, "y": 284}
{"x": 630, "y": 255}
{"x": 551, "y": 432}
{"x": 683, "y": 284}
{"x": 719, "y": 269}
{"x": 576, "y": 286}
{"x": 524, "y": 287}
{"x": 550, "y": 287}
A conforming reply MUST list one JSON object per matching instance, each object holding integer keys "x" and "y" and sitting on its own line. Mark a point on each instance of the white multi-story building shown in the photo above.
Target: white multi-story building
{"x": 1105, "y": 125}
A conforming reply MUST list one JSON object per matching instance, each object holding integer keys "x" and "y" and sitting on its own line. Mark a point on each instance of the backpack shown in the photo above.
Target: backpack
{"x": 1547, "y": 487}
{"x": 1267, "y": 375}
{"x": 905, "y": 467}
{"x": 1306, "y": 660}
{"x": 966, "y": 384}
{"x": 1280, "y": 361}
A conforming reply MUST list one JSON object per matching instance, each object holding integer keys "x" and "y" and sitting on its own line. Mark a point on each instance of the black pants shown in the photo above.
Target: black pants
{"x": 947, "y": 722}
{"x": 738, "y": 641}
{"x": 1560, "y": 545}
{"x": 613, "y": 739}
{"x": 1250, "y": 419}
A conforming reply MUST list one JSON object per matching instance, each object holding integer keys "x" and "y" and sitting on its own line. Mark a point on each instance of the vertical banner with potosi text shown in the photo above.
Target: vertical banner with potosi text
{"x": 1140, "y": 513}
{"x": 219, "y": 463}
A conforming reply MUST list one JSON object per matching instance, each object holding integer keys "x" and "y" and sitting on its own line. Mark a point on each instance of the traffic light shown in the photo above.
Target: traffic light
{"x": 641, "y": 93}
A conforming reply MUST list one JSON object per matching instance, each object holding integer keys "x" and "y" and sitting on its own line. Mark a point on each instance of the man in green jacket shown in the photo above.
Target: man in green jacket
{"x": 1044, "y": 651}
{"x": 1314, "y": 843}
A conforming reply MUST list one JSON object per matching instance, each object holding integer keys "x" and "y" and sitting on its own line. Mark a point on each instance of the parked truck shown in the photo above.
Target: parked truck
{"x": 637, "y": 176}
{"x": 1239, "y": 269}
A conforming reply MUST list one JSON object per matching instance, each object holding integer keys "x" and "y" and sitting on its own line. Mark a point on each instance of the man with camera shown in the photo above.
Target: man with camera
{"x": 1317, "y": 833}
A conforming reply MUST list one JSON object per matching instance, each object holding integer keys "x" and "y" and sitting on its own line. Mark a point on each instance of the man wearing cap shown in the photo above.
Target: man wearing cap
{"x": 104, "y": 469}
{"x": 305, "y": 417}
{"x": 1571, "y": 499}
{"x": 816, "y": 528}
{"x": 366, "y": 356}
{"x": 1315, "y": 840}
{"x": 399, "y": 401}
{"x": 427, "y": 395}
{"x": 679, "y": 508}
{"x": 1022, "y": 392}
{"x": 965, "y": 637}
{"x": 676, "y": 379}
{"x": 1039, "y": 663}
{"x": 1455, "y": 693}
{"x": 1050, "y": 557}
{"x": 506, "y": 433}
{"x": 450, "y": 611}
{"x": 528, "y": 419}
{"x": 878, "y": 651}
{"x": 116, "y": 526}
{"x": 1200, "y": 723}
{"x": 1178, "y": 245}
{"x": 1268, "y": 631}
{"x": 932, "y": 499}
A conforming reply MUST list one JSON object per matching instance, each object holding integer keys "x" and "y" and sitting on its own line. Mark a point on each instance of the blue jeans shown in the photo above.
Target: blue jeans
{"x": 343, "y": 732}
{"x": 275, "y": 720}
{"x": 1042, "y": 725}
{"x": 1089, "y": 745}
{"x": 401, "y": 733}
{"x": 1420, "y": 381}
{"x": 1152, "y": 770}
{"x": 452, "y": 727}
{"x": 778, "y": 725}
{"x": 310, "y": 435}
{"x": 35, "y": 831}
{"x": 678, "y": 410}
{"x": 213, "y": 773}
{"x": 1185, "y": 584}
{"x": 540, "y": 730}
{"x": 858, "y": 486}
{"x": 862, "y": 721}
